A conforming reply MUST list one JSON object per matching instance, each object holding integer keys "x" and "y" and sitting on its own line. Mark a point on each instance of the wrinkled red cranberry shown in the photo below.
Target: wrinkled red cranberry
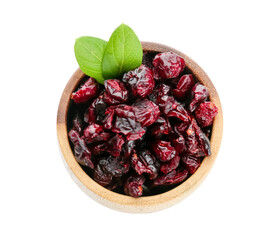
{"x": 170, "y": 165}
{"x": 167, "y": 65}
{"x": 108, "y": 120}
{"x": 181, "y": 128}
{"x": 196, "y": 141}
{"x": 140, "y": 81}
{"x": 133, "y": 186}
{"x": 102, "y": 177}
{"x": 114, "y": 145}
{"x": 205, "y": 113}
{"x": 163, "y": 150}
{"x": 98, "y": 149}
{"x": 81, "y": 152}
{"x": 86, "y": 92}
{"x": 96, "y": 111}
{"x": 77, "y": 123}
{"x": 115, "y": 92}
{"x": 146, "y": 112}
{"x": 159, "y": 91}
{"x": 127, "y": 148}
{"x": 145, "y": 162}
{"x": 92, "y": 131}
{"x": 191, "y": 163}
{"x": 200, "y": 94}
{"x": 115, "y": 166}
{"x": 171, "y": 108}
{"x": 171, "y": 178}
{"x": 161, "y": 126}
{"x": 179, "y": 144}
{"x": 185, "y": 84}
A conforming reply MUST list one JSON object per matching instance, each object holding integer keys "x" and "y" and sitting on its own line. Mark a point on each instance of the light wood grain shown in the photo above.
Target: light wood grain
{"x": 149, "y": 203}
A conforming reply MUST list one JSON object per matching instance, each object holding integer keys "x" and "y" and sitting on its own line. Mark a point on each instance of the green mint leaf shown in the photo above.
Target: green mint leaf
{"x": 123, "y": 52}
{"x": 89, "y": 52}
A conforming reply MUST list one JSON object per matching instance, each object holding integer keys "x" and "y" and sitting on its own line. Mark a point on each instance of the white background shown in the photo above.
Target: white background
{"x": 235, "y": 42}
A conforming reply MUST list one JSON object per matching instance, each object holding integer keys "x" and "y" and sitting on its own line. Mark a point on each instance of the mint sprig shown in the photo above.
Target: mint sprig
{"x": 102, "y": 60}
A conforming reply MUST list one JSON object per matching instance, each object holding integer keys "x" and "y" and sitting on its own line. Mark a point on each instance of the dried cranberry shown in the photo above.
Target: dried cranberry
{"x": 170, "y": 165}
{"x": 127, "y": 148}
{"x": 129, "y": 127}
{"x": 140, "y": 81}
{"x": 96, "y": 111}
{"x": 98, "y": 149}
{"x": 92, "y": 131}
{"x": 146, "y": 112}
{"x": 196, "y": 141}
{"x": 179, "y": 144}
{"x": 86, "y": 92}
{"x": 114, "y": 145}
{"x": 181, "y": 128}
{"x": 108, "y": 120}
{"x": 115, "y": 166}
{"x": 171, "y": 108}
{"x": 174, "y": 177}
{"x": 185, "y": 84}
{"x": 161, "y": 126}
{"x": 77, "y": 123}
{"x": 115, "y": 92}
{"x": 144, "y": 162}
{"x": 191, "y": 163}
{"x": 205, "y": 113}
{"x": 167, "y": 65}
{"x": 81, "y": 152}
{"x": 200, "y": 94}
{"x": 159, "y": 91}
{"x": 102, "y": 177}
{"x": 133, "y": 186}
{"x": 163, "y": 150}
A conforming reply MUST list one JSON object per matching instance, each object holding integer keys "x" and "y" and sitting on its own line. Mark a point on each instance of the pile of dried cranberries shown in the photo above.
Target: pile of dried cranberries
{"x": 145, "y": 133}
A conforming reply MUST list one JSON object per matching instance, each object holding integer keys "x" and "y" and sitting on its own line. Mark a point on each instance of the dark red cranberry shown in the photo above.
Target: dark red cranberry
{"x": 146, "y": 112}
{"x": 163, "y": 150}
{"x": 140, "y": 81}
{"x": 179, "y": 144}
{"x": 98, "y": 149}
{"x": 86, "y": 92}
{"x": 115, "y": 92}
{"x": 160, "y": 127}
{"x": 127, "y": 148}
{"x": 96, "y": 111}
{"x": 171, "y": 178}
{"x": 205, "y": 113}
{"x": 115, "y": 166}
{"x": 185, "y": 84}
{"x": 77, "y": 123}
{"x": 171, "y": 108}
{"x": 144, "y": 162}
{"x": 91, "y": 132}
{"x": 191, "y": 163}
{"x": 196, "y": 141}
{"x": 170, "y": 165}
{"x": 200, "y": 94}
{"x": 81, "y": 152}
{"x": 167, "y": 65}
{"x": 108, "y": 120}
{"x": 181, "y": 128}
{"x": 159, "y": 91}
{"x": 102, "y": 177}
{"x": 114, "y": 145}
{"x": 133, "y": 186}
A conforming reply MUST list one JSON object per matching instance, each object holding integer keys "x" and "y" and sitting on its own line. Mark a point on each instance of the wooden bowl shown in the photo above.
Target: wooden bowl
{"x": 149, "y": 203}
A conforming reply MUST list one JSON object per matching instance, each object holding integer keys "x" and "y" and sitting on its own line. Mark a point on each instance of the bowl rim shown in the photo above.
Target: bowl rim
{"x": 145, "y": 203}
